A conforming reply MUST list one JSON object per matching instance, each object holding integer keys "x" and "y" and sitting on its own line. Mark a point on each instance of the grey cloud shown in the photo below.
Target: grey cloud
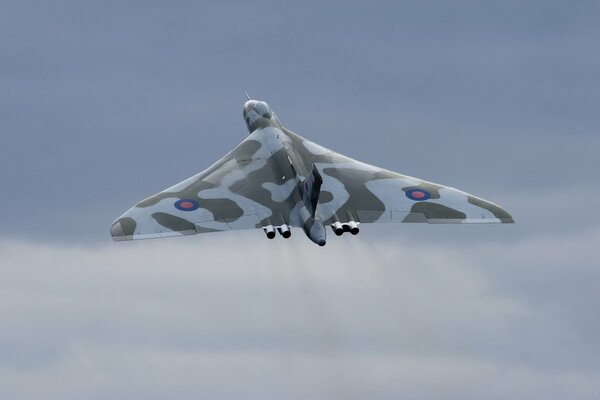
{"x": 384, "y": 317}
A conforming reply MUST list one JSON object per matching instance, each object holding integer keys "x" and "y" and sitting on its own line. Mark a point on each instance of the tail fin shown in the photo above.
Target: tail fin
{"x": 311, "y": 188}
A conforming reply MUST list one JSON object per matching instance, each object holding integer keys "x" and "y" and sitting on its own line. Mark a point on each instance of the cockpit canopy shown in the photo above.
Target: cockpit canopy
{"x": 257, "y": 114}
{"x": 260, "y": 108}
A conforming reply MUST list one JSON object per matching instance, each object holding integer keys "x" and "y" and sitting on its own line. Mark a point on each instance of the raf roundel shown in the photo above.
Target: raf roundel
{"x": 418, "y": 194}
{"x": 186, "y": 205}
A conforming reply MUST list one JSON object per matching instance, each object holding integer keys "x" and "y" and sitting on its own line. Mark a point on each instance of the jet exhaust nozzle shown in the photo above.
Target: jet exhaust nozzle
{"x": 284, "y": 230}
{"x": 269, "y": 231}
{"x": 353, "y": 225}
{"x": 337, "y": 228}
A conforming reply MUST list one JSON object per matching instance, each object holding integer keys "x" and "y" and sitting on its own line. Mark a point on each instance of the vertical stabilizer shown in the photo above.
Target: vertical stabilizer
{"x": 312, "y": 225}
{"x": 311, "y": 188}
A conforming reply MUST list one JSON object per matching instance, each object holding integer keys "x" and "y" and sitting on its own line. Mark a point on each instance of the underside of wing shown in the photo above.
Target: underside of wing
{"x": 266, "y": 182}
{"x": 246, "y": 189}
{"x": 355, "y": 191}
{"x": 367, "y": 195}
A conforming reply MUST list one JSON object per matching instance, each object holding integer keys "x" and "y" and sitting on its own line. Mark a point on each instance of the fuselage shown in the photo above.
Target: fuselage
{"x": 302, "y": 203}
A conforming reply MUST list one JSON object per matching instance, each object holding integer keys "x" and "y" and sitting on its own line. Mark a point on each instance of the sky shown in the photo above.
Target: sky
{"x": 105, "y": 103}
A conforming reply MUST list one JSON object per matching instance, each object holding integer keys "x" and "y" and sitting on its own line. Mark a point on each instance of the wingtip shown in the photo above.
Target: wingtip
{"x": 122, "y": 229}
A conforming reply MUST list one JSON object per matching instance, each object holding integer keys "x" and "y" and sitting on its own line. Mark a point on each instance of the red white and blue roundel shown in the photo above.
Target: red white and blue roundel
{"x": 418, "y": 194}
{"x": 186, "y": 205}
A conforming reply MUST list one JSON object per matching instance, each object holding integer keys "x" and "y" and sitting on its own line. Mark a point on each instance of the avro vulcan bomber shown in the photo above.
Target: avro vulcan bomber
{"x": 276, "y": 180}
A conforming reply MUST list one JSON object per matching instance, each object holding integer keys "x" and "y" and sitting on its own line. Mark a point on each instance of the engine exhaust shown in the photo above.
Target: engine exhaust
{"x": 284, "y": 230}
{"x": 353, "y": 227}
{"x": 269, "y": 231}
{"x": 337, "y": 228}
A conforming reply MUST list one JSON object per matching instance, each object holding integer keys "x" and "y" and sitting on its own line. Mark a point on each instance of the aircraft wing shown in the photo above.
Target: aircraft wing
{"x": 248, "y": 188}
{"x": 261, "y": 183}
{"x": 356, "y": 191}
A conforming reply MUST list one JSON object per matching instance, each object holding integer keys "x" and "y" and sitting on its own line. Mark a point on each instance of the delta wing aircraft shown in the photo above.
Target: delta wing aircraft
{"x": 275, "y": 180}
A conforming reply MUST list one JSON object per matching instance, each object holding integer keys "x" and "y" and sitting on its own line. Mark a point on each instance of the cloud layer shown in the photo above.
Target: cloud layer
{"x": 187, "y": 318}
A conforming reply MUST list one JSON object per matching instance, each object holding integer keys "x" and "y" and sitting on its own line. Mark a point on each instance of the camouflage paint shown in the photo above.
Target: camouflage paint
{"x": 260, "y": 183}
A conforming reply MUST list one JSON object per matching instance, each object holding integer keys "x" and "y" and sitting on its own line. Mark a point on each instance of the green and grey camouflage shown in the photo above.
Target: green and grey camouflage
{"x": 276, "y": 179}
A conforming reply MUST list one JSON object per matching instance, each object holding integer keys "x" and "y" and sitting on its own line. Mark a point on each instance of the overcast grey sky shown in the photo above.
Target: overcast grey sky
{"x": 105, "y": 103}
